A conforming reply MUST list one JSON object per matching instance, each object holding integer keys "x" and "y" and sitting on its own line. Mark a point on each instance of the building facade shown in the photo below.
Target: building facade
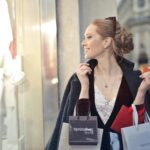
{"x": 135, "y": 16}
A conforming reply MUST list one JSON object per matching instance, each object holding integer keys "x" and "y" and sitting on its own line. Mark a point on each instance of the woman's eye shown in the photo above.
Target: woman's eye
{"x": 89, "y": 37}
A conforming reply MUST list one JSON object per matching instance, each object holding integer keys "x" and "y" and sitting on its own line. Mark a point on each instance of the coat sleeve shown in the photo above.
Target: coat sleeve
{"x": 83, "y": 107}
{"x": 124, "y": 117}
{"x": 54, "y": 139}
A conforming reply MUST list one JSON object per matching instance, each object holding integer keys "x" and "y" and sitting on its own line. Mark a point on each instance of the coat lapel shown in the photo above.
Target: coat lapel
{"x": 133, "y": 81}
{"x": 132, "y": 77}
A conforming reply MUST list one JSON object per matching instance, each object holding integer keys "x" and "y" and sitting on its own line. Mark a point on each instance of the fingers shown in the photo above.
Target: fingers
{"x": 146, "y": 78}
{"x": 83, "y": 69}
{"x": 145, "y": 84}
{"x": 145, "y": 75}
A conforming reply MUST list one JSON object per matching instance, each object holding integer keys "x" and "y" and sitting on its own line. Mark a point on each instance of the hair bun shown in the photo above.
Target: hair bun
{"x": 128, "y": 43}
{"x": 123, "y": 40}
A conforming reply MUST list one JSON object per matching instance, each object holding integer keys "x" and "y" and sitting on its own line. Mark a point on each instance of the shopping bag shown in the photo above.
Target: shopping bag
{"x": 64, "y": 140}
{"x": 137, "y": 136}
{"x": 83, "y": 130}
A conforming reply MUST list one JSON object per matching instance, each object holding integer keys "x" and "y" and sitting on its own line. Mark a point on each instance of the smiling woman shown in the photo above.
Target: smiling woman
{"x": 92, "y": 43}
{"x": 33, "y": 105}
{"x": 109, "y": 89}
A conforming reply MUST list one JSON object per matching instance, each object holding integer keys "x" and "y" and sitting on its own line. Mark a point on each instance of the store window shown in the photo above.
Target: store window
{"x": 49, "y": 65}
{"x": 11, "y": 76}
{"x": 17, "y": 122}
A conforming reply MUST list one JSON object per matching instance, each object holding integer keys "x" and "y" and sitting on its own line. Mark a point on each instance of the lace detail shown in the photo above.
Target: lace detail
{"x": 104, "y": 108}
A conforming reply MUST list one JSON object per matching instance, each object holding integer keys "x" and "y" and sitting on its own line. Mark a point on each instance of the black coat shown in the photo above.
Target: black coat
{"x": 72, "y": 92}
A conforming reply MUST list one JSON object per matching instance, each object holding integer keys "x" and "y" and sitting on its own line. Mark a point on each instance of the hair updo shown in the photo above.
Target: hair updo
{"x": 122, "y": 40}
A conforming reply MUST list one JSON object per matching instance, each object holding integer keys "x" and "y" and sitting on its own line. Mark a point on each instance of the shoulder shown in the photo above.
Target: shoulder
{"x": 73, "y": 82}
{"x": 133, "y": 80}
{"x": 72, "y": 79}
{"x": 124, "y": 63}
{"x": 132, "y": 76}
{"x": 127, "y": 66}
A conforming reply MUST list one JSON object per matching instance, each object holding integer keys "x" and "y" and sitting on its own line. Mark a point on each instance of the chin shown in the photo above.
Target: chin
{"x": 88, "y": 57}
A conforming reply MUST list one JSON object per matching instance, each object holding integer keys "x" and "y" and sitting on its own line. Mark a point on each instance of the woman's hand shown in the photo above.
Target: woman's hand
{"x": 144, "y": 86}
{"x": 82, "y": 72}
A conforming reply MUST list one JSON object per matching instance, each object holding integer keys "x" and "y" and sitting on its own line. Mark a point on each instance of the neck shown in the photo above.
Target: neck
{"x": 107, "y": 65}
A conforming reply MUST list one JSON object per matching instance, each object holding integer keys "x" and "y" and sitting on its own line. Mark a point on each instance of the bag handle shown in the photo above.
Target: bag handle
{"x": 147, "y": 118}
{"x": 135, "y": 115}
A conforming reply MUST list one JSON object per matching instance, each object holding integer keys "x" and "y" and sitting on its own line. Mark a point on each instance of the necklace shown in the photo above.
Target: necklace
{"x": 108, "y": 87}
{"x": 107, "y": 84}
{"x": 110, "y": 91}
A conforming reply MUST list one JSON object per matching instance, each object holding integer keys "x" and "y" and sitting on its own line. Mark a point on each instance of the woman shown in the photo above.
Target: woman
{"x": 113, "y": 84}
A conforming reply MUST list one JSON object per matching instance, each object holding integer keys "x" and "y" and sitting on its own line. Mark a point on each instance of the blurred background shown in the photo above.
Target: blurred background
{"x": 40, "y": 49}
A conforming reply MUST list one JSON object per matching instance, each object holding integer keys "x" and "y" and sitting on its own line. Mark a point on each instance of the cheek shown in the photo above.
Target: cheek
{"x": 97, "y": 49}
{"x": 96, "y": 46}
{"x": 93, "y": 44}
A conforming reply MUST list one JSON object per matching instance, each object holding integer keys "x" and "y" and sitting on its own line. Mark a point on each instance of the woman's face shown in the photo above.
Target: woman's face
{"x": 93, "y": 43}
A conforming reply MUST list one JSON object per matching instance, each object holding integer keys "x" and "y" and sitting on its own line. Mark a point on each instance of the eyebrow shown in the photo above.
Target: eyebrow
{"x": 87, "y": 34}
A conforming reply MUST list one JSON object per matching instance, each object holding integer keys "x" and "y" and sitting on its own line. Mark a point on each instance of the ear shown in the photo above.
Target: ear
{"x": 107, "y": 42}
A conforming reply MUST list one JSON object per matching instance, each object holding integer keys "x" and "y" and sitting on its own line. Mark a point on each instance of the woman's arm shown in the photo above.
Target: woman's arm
{"x": 82, "y": 73}
{"x": 83, "y": 102}
{"x": 124, "y": 117}
{"x": 144, "y": 86}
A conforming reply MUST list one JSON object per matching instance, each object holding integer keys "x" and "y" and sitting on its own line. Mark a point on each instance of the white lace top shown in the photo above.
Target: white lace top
{"x": 104, "y": 108}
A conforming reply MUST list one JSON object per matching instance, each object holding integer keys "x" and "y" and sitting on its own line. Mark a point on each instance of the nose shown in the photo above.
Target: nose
{"x": 83, "y": 43}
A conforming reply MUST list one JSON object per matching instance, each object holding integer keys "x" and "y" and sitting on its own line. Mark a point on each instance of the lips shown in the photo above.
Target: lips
{"x": 86, "y": 49}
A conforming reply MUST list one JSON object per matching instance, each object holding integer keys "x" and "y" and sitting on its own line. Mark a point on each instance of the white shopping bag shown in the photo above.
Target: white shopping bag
{"x": 64, "y": 140}
{"x": 136, "y": 137}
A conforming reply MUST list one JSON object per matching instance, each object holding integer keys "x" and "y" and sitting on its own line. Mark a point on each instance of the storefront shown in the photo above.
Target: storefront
{"x": 39, "y": 51}
{"x": 29, "y": 88}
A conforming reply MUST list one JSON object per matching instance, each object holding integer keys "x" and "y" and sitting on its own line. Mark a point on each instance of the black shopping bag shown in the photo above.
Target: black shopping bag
{"x": 83, "y": 130}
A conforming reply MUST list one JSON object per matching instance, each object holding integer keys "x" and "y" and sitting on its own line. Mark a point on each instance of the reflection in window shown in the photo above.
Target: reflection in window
{"x": 11, "y": 137}
{"x": 49, "y": 65}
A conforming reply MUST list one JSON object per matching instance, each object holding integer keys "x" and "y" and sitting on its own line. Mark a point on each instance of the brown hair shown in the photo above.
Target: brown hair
{"x": 122, "y": 40}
